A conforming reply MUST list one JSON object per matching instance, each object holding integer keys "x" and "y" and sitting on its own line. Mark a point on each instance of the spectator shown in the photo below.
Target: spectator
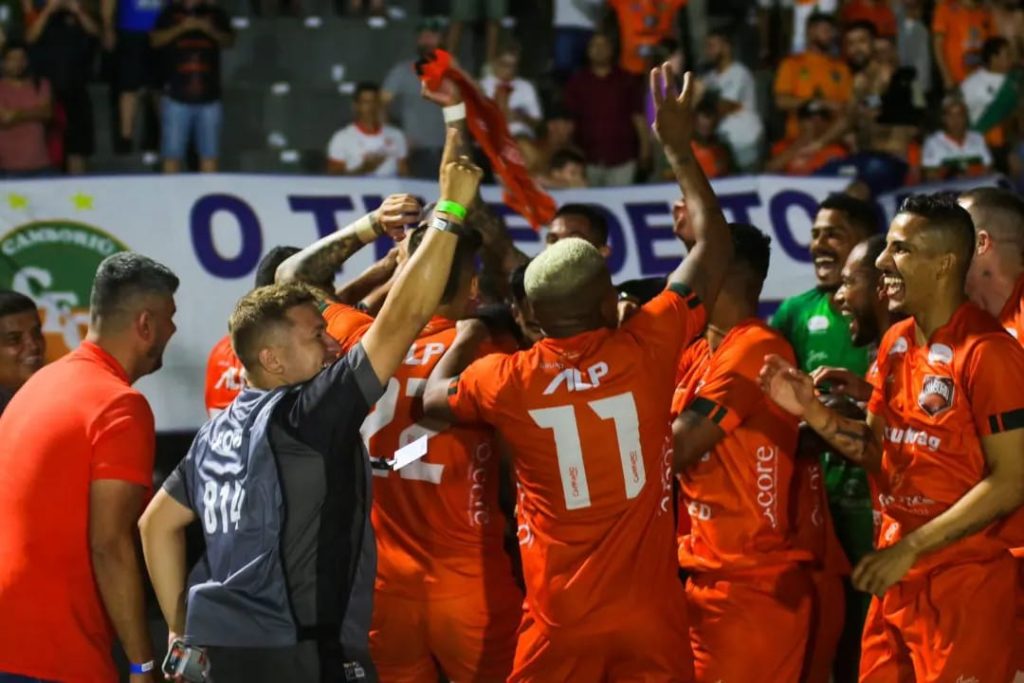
{"x": 642, "y": 25}
{"x": 515, "y": 96}
{"x": 806, "y": 152}
{"x": 736, "y": 99}
{"x": 875, "y": 12}
{"x": 22, "y": 345}
{"x": 711, "y": 153}
{"x": 64, "y": 35}
{"x": 1008, "y": 22}
{"x": 73, "y": 491}
{"x": 959, "y": 28}
{"x": 794, "y": 23}
{"x": 126, "y": 28}
{"x": 606, "y": 106}
{"x": 574, "y": 22}
{"x": 991, "y": 94}
{"x": 858, "y": 47}
{"x": 558, "y": 133}
{"x": 914, "y": 42}
{"x": 567, "y": 169}
{"x": 25, "y": 107}
{"x": 955, "y": 151}
{"x": 191, "y": 34}
{"x": 472, "y": 11}
{"x": 418, "y": 118}
{"x": 367, "y": 146}
{"x": 814, "y": 74}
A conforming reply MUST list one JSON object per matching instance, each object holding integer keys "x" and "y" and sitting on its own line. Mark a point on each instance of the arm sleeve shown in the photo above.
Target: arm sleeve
{"x": 338, "y": 150}
{"x": 177, "y": 483}
{"x": 346, "y": 324}
{"x": 124, "y": 441}
{"x": 667, "y": 323}
{"x": 473, "y": 396}
{"x": 992, "y": 376}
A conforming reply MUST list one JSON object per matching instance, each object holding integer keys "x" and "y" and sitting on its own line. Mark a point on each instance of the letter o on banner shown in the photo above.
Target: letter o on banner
{"x": 201, "y": 223}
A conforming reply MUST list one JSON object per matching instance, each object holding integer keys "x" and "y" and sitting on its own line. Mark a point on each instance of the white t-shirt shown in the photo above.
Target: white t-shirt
{"x": 979, "y": 89}
{"x": 940, "y": 150}
{"x": 736, "y": 84}
{"x": 522, "y": 98}
{"x": 351, "y": 145}
{"x": 577, "y": 13}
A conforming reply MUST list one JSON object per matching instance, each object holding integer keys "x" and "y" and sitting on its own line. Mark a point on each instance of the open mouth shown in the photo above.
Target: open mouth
{"x": 894, "y": 286}
{"x": 825, "y": 264}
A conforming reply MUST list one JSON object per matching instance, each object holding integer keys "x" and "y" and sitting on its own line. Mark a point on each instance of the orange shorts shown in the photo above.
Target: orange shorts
{"x": 643, "y": 646}
{"x": 465, "y": 638}
{"x": 749, "y": 626}
{"x": 827, "y": 617}
{"x": 947, "y": 625}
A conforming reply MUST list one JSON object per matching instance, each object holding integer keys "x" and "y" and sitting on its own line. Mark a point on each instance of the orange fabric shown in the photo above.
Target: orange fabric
{"x": 878, "y": 13}
{"x": 751, "y": 626}
{"x": 74, "y": 422}
{"x": 828, "y": 613}
{"x": 642, "y": 25}
{"x": 586, "y": 419}
{"x": 1012, "y": 315}
{"x": 740, "y": 495}
{"x": 471, "y": 637}
{"x": 806, "y": 164}
{"x": 812, "y": 75}
{"x": 965, "y": 30}
{"x": 223, "y": 376}
{"x": 968, "y": 377}
{"x": 489, "y": 128}
{"x": 713, "y": 158}
{"x": 950, "y": 625}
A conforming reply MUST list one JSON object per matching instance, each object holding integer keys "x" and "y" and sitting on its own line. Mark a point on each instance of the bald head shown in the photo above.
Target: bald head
{"x": 570, "y": 289}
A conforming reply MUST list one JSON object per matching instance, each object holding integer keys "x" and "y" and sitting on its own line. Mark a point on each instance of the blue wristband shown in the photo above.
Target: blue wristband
{"x": 143, "y": 668}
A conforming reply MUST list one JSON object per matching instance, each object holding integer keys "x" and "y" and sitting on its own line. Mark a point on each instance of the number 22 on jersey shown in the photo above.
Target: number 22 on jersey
{"x": 561, "y": 420}
{"x": 384, "y": 413}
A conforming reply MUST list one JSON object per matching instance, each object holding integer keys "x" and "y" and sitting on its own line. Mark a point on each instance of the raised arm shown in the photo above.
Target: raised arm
{"x": 793, "y": 390}
{"x": 704, "y": 267}
{"x": 417, "y": 292}
{"x": 462, "y": 352}
{"x": 321, "y": 260}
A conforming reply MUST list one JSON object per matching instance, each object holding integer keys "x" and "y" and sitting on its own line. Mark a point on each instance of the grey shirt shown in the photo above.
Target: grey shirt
{"x": 420, "y": 119}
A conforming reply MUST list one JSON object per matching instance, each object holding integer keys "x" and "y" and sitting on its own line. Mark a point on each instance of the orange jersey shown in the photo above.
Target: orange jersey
{"x": 739, "y": 495}
{"x": 965, "y": 30}
{"x": 713, "y": 158}
{"x": 808, "y": 163}
{"x": 1012, "y": 315}
{"x": 938, "y": 400}
{"x": 586, "y": 419}
{"x": 812, "y": 75}
{"x": 437, "y": 520}
{"x": 642, "y": 25}
{"x": 879, "y": 14}
{"x": 223, "y": 376}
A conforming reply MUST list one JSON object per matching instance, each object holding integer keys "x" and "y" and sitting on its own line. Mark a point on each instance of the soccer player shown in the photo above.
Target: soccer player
{"x": 944, "y": 433}
{"x": 22, "y": 345}
{"x": 584, "y": 414}
{"x": 446, "y": 602}
{"x": 749, "y": 587}
{"x": 75, "y": 467}
{"x": 280, "y": 479}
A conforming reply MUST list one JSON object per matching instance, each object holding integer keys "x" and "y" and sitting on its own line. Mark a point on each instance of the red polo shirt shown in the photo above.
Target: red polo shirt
{"x": 75, "y": 421}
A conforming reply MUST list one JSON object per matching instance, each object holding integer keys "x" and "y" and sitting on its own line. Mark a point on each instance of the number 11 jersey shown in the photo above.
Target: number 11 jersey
{"x": 586, "y": 419}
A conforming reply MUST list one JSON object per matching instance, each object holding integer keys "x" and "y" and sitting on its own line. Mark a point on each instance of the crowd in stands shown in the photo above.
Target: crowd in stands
{"x": 890, "y": 92}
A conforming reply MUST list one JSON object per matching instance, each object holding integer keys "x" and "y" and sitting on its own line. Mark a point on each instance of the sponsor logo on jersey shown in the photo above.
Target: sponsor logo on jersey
{"x": 936, "y": 394}
{"x": 940, "y": 353}
{"x": 909, "y": 435}
{"x": 899, "y": 346}
{"x": 767, "y": 484}
{"x": 817, "y": 323}
{"x": 54, "y": 262}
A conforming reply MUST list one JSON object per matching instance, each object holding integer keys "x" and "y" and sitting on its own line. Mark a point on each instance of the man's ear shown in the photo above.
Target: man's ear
{"x": 270, "y": 362}
{"x": 982, "y": 242}
{"x": 144, "y": 325}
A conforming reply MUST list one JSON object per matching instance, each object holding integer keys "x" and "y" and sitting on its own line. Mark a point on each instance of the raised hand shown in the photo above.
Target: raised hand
{"x": 790, "y": 388}
{"x": 842, "y": 382}
{"x": 446, "y": 96}
{"x": 396, "y": 212}
{"x": 459, "y": 176}
{"x": 674, "y": 111}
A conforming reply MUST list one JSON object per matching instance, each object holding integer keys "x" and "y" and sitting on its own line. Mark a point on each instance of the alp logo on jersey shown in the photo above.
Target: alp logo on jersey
{"x": 936, "y": 394}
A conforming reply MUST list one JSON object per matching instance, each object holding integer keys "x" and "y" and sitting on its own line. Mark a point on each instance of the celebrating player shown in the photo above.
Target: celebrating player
{"x": 944, "y": 431}
{"x": 584, "y": 413}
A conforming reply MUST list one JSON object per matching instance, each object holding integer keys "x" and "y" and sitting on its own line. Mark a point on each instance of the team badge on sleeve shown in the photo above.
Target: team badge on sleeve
{"x": 936, "y": 394}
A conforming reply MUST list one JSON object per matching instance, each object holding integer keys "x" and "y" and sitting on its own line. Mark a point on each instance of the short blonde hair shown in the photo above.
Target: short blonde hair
{"x": 561, "y": 270}
{"x": 258, "y": 312}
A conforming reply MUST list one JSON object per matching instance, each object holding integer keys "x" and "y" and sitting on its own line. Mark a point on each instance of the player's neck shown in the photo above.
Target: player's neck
{"x": 121, "y": 351}
{"x": 369, "y": 126}
{"x": 999, "y": 288}
{"x": 940, "y": 313}
{"x": 724, "y": 317}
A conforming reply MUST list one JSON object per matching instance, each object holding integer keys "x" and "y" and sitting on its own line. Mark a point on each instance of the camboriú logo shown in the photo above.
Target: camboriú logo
{"x": 54, "y": 262}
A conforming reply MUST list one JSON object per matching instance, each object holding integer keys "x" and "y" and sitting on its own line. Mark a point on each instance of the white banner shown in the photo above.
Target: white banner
{"x": 212, "y": 231}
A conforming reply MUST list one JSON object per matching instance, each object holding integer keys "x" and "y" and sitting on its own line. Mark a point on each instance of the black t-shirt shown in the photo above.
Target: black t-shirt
{"x": 63, "y": 54}
{"x": 192, "y": 60}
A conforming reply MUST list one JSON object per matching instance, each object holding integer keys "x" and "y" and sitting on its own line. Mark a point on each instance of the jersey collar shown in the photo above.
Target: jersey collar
{"x": 96, "y": 353}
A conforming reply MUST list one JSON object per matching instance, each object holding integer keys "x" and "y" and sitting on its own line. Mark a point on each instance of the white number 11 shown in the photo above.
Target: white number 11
{"x": 561, "y": 420}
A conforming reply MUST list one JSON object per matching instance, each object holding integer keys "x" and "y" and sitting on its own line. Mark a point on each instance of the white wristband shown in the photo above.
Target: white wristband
{"x": 365, "y": 229}
{"x": 456, "y": 112}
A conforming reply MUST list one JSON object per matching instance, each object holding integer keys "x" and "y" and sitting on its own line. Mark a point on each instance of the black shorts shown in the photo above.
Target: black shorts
{"x": 136, "y": 62}
{"x": 79, "y": 133}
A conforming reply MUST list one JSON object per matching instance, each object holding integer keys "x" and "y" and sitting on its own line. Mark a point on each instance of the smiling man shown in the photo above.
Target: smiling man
{"x": 22, "y": 346}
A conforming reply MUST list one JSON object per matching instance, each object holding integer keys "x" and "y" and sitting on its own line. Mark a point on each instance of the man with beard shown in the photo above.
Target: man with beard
{"x": 944, "y": 433}
{"x": 22, "y": 345}
{"x": 75, "y": 468}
